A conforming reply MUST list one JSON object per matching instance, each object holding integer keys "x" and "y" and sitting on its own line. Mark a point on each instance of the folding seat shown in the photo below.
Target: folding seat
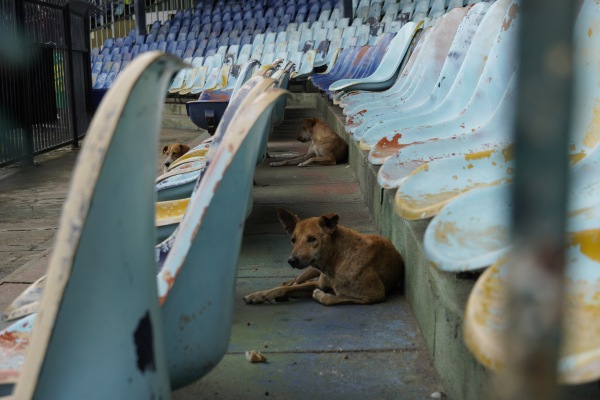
{"x": 134, "y": 50}
{"x": 195, "y": 21}
{"x": 316, "y": 25}
{"x": 124, "y": 50}
{"x": 409, "y": 8}
{"x": 192, "y": 35}
{"x": 224, "y": 39}
{"x": 269, "y": 48}
{"x": 183, "y": 29}
{"x": 143, "y": 48}
{"x": 191, "y": 44}
{"x": 107, "y": 65}
{"x": 291, "y": 27}
{"x": 228, "y": 26}
{"x": 171, "y": 47}
{"x": 454, "y": 4}
{"x": 154, "y": 46}
{"x": 234, "y": 50}
{"x": 269, "y": 12}
{"x": 281, "y": 37}
{"x": 294, "y": 36}
{"x": 305, "y": 35}
{"x": 342, "y": 23}
{"x": 290, "y": 10}
{"x": 108, "y": 43}
{"x": 206, "y": 19}
{"x": 174, "y": 29}
{"x": 171, "y": 37}
{"x": 293, "y": 46}
{"x": 280, "y": 47}
{"x": 119, "y": 42}
{"x": 421, "y": 10}
{"x": 359, "y": 22}
{"x": 312, "y": 17}
{"x": 324, "y": 16}
{"x": 246, "y": 40}
{"x": 115, "y": 51}
{"x": 217, "y": 28}
{"x": 182, "y": 37}
{"x": 285, "y": 21}
{"x": 258, "y": 40}
{"x": 178, "y": 15}
{"x": 261, "y": 25}
{"x": 280, "y": 11}
{"x": 270, "y": 37}
{"x": 375, "y": 11}
{"x": 248, "y": 15}
{"x": 238, "y": 26}
{"x": 212, "y": 43}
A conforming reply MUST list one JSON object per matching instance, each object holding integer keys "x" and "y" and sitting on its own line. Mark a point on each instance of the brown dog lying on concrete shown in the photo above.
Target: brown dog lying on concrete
{"x": 326, "y": 148}
{"x": 351, "y": 268}
{"x": 173, "y": 152}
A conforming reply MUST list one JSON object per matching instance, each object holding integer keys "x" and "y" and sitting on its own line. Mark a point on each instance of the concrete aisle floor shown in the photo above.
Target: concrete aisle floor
{"x": 313, "y": 351}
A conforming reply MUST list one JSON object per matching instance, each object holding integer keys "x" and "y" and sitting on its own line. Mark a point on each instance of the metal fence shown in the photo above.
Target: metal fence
{"x": 45, "y": 77}
{"x": 118, "y": 17}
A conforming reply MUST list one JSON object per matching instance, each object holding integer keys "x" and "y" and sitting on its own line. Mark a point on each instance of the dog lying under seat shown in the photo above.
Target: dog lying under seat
{"x": 173, "y": 152}
{"x": 326, "y": 147}
{"x": 342, "y": 265}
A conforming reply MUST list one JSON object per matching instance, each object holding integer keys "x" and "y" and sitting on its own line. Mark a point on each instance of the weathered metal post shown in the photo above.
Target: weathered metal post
{"x": 140, "y": 17}
{"x": 535, "y": 289}
{"x": 347, "y": 10}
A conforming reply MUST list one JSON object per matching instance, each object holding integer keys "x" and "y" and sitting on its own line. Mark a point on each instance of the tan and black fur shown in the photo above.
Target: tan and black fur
{"x": 173, "y": 152}
{"x": 344, "y": 266}
{"x": 326, "y": 148}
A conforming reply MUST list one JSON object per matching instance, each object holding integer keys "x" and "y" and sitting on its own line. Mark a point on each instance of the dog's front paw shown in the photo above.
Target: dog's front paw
{"x": 256, "y": 298}
{"x": 318, "y": 295}
{"x": 277, "y": 163}
{"x": 304, "y": 164}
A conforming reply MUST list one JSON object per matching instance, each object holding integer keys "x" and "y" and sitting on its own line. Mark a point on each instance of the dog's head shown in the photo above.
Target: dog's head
{"x": 310, "y": 237}
{"x": 306, "y": 133}
{"x": 174, "y": 151}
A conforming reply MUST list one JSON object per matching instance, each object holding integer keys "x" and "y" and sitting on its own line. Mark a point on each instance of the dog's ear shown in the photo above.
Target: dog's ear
{"x": 287, "y": 219}
{"x": 185, "y": 148}
{"x": 329, "y": 221}
{"x": 310, "y": 122}
{"x": 165, "y": 149}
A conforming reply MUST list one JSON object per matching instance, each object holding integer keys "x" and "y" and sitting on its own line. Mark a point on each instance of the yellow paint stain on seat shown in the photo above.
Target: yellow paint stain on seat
{"x": 170, "y": 212}
{"x": 588, "y": 242}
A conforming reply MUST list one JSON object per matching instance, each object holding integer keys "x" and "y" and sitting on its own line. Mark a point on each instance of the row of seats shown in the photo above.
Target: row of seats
{"x": 441, "y": 128}
{"x": 148, "y": 352}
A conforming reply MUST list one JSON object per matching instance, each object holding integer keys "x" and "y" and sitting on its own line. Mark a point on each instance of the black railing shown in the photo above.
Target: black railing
{"x": 44, "y": 86}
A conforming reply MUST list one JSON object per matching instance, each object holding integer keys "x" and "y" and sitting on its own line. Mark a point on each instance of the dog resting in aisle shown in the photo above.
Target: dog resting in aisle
{"x": 173, "y": 152}
{"x": 344, "y": 266}
{"x": 326, "y": 148}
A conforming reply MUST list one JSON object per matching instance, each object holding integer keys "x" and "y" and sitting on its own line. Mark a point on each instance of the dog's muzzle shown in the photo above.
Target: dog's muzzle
{"x": 167, "y": 164}
{"x": 294, "y": 262}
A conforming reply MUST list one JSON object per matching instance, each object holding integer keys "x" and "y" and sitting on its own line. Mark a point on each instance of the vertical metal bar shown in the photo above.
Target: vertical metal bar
{"x": 23, "y": 95}
{"x": 140, "y": 16}
{"x": 69, "y": 81}
{"x": 535, "y": 289}
{"x": 112, "y": 19}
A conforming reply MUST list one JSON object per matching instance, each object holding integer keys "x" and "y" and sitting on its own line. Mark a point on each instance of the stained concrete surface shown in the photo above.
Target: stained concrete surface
{"x": 313, "y": 351}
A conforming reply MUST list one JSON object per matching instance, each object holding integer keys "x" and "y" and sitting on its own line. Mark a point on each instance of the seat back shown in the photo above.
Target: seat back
{"x": 197, "y": 283}
{"x": 98, "y": 320}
